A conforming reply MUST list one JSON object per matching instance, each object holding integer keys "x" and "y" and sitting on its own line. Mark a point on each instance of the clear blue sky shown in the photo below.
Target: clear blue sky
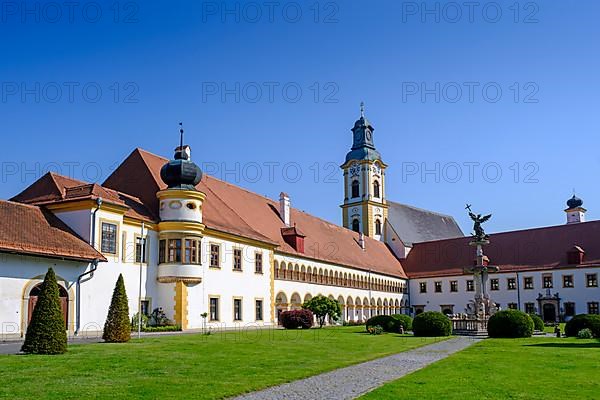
{"x": 166, "y": 60}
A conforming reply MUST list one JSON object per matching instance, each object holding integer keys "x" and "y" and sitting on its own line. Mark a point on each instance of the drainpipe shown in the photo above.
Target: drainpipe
{"x": 518, "y": 292}
{"x": 91, "y": 271}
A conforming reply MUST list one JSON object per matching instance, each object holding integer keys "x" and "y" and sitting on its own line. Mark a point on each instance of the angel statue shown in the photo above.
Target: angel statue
{"x": 478, "y": 232}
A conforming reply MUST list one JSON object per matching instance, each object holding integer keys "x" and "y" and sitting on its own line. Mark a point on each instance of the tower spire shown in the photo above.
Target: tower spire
{"x": 181, "y": 135}
{"x": 362, "y": 109}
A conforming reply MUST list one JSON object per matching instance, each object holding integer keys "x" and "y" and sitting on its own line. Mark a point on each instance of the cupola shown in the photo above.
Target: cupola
{"x": 575, "y": 211}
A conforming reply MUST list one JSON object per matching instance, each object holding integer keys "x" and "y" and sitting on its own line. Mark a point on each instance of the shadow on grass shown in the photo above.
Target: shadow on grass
{"x": 586, "y": 345}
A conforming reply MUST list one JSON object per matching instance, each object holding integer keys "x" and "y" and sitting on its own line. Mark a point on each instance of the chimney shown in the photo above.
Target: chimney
{"x": 361, "y": 240}
{"x": 284, "y": 208}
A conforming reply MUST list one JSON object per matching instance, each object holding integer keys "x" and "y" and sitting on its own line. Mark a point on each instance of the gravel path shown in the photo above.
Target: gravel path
{"x": 354, "y": 381}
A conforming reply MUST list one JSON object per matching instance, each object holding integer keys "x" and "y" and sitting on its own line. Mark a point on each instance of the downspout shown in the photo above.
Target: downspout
{"x": 91, "y": 271}
{"x": 518, "y": 292}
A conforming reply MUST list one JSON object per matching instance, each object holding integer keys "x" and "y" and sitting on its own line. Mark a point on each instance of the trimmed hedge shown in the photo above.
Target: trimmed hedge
{"x": 405, "y": 320}
{"x": 295, "y": 319}
{"x": 117, "y": 328}
{"x": 46, "y": 333}
{"x": 510, "y": 324}
{"x": 432, "y": 323}
{"x": 583, "y": 321}
{"x": 386, "y": 322}
{"x": 538, "y": 323}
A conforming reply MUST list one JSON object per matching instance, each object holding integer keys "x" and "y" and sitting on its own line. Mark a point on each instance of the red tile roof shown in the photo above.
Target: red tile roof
{"x": 232, "y": 209}
{"x": 55, "y": 189}
{"x": 31, "y": 230}
{"x": 524, "y": 250}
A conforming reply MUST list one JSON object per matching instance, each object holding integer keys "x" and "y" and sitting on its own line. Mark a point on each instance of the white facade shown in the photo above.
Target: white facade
{"x": 529, "y": 293}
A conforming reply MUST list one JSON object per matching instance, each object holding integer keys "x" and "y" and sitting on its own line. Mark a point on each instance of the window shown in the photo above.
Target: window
{"x": 377, "y": 227}
{"x": 214, "y": 308}
{"x": 162, "y": 251}
{"x": 355, "y": 225}
{"x": 528, "y": 282}
{"x": 454, "y": 286}
{"x": 258, "y": 263}
{"x": 547, "y": 281}
{"x": 174, "y": 251}
{"x": 511, "y": 283}
{"x": 529, "y": 308}
{"x": 192, "y": 255}
{"x": 494, "y": 284}
{"x": 109, "y": 238}
{"x": 145, "y": 307}
{"x": 140, "y": 250}
{"x": 568, "y": 281}
{"x": 237, "y": 259}
{"x": 259, "y": 310}
{"x": 512, "y": 306}
{"x": 592, "y": 280}
{"x": 438, "y": 287}
{"x": 214, "y": 255}
{"x": 237, "y": 309}
{"x": 593, "y": 307}
{"x": 423, "y": 287}
{"x": 569, "y": 309}
{"x": 470, "y": 286}
{"x": 376, "y": 189}
{"x": 355, "y": 188}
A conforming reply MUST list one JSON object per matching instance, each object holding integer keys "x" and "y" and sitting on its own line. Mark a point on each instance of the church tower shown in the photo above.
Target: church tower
{"x": 365, "y": 208}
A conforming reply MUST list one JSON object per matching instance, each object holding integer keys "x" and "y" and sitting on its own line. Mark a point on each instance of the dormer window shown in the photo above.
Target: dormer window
{"x": 355, "y": 188}
{"x": 575, "y": 255}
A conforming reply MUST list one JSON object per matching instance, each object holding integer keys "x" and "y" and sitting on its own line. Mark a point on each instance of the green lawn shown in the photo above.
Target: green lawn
{"x": 192, "y": 366}
{"x": 536, "y": 368}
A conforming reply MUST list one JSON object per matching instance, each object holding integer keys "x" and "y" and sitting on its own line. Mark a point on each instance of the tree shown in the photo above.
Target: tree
{"x": 46, "y": 333}
{"x": 117, "y": 328}
{"x": 322, "y": 307}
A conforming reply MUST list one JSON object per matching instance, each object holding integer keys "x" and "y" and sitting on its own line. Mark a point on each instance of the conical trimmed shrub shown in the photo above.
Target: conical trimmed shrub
{"x": 46, "y": 333}
{"x": 117, "y": 328}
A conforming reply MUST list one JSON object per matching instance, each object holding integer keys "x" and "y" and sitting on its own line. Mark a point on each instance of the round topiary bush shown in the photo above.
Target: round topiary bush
{"x": 510, "y": 324}
{"x": 386, "y": 322}
{"x": 296, "y": 319}
{"x": 583, "y": 321}
{"x": 405, "y": 320}
{"x": 538, "y": 323}
{"x": 432, "y": 323}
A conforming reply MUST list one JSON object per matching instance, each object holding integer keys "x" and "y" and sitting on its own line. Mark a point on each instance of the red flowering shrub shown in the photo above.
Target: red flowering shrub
{"x": 297, "y": 319}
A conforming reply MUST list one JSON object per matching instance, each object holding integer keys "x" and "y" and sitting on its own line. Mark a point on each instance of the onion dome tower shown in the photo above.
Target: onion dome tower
{"x": 575, "y": 211}
{"x": 365, "y": 209}
{"x": 180, "y": 229}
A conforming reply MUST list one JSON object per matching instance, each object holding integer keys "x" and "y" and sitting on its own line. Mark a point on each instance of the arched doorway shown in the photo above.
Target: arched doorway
{"x": 64, "y": 302}
{"x": 549, "y": 312}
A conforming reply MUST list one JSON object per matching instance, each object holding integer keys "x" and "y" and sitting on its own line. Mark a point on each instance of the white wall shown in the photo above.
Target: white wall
{"x": 579, "y": 294}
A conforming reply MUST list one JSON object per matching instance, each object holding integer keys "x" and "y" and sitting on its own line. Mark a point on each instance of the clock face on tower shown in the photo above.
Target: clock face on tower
{"x": 354, "y": 170}
{"x": 369, "y": 135}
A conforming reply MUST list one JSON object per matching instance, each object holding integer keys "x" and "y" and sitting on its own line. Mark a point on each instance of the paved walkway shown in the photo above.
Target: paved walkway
{"x": 354, "y": 381}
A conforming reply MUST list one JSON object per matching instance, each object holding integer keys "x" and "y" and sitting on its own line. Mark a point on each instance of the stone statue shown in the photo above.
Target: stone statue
{"x": 479, "y": 234}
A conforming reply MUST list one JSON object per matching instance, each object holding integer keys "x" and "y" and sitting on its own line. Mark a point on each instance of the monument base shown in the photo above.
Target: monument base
{"x": 470, "y": 326}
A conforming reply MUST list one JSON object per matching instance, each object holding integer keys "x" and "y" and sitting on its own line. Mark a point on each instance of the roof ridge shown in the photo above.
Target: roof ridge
{"x": 549, "y": 227}
{"x": 421, "y": 209}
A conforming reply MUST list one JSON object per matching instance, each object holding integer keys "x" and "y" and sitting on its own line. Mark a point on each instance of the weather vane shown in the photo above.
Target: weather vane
{"x": 181, "y": 134}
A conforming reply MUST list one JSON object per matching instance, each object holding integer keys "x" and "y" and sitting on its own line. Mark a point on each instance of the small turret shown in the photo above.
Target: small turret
{"x": 575, "y": 211}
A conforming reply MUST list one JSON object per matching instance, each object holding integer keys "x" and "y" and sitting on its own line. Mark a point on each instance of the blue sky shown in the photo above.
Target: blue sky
{"x": 270, "y": 92}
